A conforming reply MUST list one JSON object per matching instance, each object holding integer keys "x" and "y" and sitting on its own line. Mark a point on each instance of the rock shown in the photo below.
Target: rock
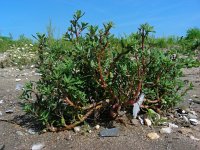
{"x": 153, "y": 136}
{"x": 166, "y": 130}
{"x": 2, "y": 146}
{"x": 38, "y": 146}
{"x": 77, "y": 129}
{"x": 31, "y": 131}
{"x": 147, "y": 122}
{"x": 17, "y": 80}
{"x": 135, "y": 122}
{"x": 89, "y": 131}
{"x": 9, "y": 111}
{"x": 113, "y": 132}
{"x": 97, "y": 127}
{"x": 191, "y": 116}
{"x": 186, "y": 119}
{"x": 194, "y": 138}
{"x": 193, "y": 121}
{"x": 20, "y": 133}
{"x": 1, "y": 113}
{"x": 171, "y": 125}
{"x": 1, "y": 101}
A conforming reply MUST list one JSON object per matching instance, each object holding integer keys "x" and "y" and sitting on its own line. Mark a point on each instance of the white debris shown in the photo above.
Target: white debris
{"x": 38, "y": 146}
{"x": 171, "y": 125}
{"x": 1, "y": 101}
{"x": 136, "y": 106}
{"x": 17, "y": 80}
{"x": 166, "y": 130}
{"x": 194, "y": 138}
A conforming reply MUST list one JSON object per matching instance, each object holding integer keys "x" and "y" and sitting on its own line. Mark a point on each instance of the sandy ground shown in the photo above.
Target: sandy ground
{"x": 18, "y": 135}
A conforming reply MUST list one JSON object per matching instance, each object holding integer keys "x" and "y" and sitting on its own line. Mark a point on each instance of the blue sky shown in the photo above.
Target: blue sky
{"x": 169, "y": 17}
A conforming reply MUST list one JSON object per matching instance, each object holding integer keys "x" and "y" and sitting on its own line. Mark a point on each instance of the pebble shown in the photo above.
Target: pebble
{"x": 31, "y": 131}
{"x": 97, "y": 127}
{"x": 147, "y": 122}
{"x": 17, "y": 80}
{"x": 1, "y": 101}
{"x": 185, "y": 119}
{"x": 9, "y": 111}
{"x": 1, "y": 113}
{"x": 38, "y": 146}
{"x": 166, "y": 130}
{"x": 77, "y": 129}
{"x": 153, "y": 136}
{"x": 193, "y": 121}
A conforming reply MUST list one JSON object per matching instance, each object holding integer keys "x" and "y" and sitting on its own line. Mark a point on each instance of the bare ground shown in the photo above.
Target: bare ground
{"x": 14, "y": 133}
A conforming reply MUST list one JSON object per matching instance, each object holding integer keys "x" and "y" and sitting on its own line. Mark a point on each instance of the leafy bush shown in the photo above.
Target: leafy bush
{"x": 99, "y": 74}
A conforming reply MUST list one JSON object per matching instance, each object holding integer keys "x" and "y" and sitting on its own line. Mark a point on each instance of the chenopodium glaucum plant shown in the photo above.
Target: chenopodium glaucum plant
{"x": 97, "y": 73}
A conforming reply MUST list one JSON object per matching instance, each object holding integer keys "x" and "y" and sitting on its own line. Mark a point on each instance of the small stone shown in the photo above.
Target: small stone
{"x": 190, "y": 99}
{"x": 166, "y": 130}
{"x": 89, "y": 131}
{"x": 194, "y": 138}
{"x": 77, "y": 129}
{"x": 9, "y": 111}
{"x": 147, "y": 122}
{"x": 1, "y": 101}
{"x": 1, "y": 113}
{"x": 97, "y": 127}
{"x": 193, "y": 121}
{"x": 20, "y": 133}
{"x": 185, "y": 119}
{"x": 17, "y": 80}
{"x": 153, "y": 136}
{"x": 191, "y": 116}
{"x": 171, "y": 125}
{"x": 31, "y": 131}
{"x": 38, "y": 146}
{"x": 135, "y": 122}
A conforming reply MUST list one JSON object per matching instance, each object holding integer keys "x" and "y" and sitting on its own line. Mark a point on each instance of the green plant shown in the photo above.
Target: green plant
{"x": 98, "y": 73}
